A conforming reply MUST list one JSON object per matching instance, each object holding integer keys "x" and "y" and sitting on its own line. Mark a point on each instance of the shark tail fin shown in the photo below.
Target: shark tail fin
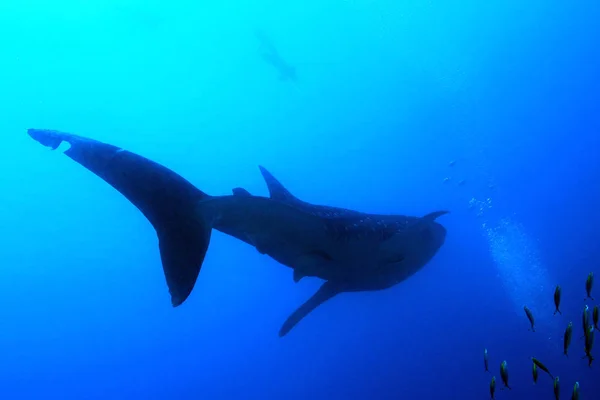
{"x": 166, "y": 199}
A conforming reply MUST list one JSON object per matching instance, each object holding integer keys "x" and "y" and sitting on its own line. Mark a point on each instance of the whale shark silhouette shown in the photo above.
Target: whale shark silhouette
{"x": 352, "y": 251}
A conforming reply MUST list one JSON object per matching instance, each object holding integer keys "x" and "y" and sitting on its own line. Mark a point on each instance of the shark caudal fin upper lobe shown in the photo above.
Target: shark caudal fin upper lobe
{"x": 166, "y": 199}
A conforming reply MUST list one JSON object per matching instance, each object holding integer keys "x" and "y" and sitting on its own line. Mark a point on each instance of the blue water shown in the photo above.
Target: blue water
{"x": 387, "y": 95}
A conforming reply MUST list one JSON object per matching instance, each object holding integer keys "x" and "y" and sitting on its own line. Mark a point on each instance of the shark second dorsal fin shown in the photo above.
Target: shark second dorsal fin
{"x": 326, "y": 291}
{"x": 240, "y": 192}
{"x": 276, "y": 189}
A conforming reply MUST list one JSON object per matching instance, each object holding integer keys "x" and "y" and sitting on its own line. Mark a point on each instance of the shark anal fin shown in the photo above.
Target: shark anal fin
{"x": 311, "y": 264}
{"x": 240, "y": 192}
{"x": 261, "y": 250}
{"x": 326, "y": 291}
{"x": 165, "y": 198}
{"x": 262, "y": 246}
{"x": 298, "y": 275}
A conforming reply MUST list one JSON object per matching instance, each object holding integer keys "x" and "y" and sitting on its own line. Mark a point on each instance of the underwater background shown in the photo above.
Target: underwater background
{"x": 488, "y": 109}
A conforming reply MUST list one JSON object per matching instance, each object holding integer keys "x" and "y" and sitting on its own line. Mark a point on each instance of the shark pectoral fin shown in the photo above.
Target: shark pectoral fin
{"x": 166, "y": 199}
{"x": 241, "y": 192}
{"x": 325, "y": 292}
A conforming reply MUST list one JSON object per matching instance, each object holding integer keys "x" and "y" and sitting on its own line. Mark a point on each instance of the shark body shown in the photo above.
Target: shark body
{"x": 350, "y": 250}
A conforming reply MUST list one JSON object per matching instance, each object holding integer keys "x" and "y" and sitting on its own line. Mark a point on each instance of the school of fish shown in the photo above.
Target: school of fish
{"x": 589, "y": 326}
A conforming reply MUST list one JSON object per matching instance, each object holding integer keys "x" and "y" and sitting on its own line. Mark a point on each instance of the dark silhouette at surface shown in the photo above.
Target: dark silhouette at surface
{"x": 271, "y": 55}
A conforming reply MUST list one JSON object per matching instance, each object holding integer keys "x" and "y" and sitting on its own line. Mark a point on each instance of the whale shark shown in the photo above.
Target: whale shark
{"x": 350, "y": 250}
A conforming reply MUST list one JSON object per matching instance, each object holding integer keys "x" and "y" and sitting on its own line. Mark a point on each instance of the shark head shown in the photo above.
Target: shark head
{"x": 409, "y": 250}
{"x": 435, "y": 235}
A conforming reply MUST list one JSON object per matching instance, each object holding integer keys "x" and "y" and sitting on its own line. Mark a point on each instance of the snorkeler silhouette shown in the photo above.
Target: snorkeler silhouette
{"x": 269, "y": 53}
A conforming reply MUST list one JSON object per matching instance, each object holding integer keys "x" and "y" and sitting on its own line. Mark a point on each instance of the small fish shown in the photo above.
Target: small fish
{"x": 541, "y": 366}
{"x": 589, "y": 343}
{"x": 530, "y": 317}
{"x": 589, "y": 282}
{"x": 585, "y": 319}
{"x": 535, "y": 373}
{"x": 504, "y": 374}
{"x": 589, "y": 338}
{"x": 557, "y": 293}
{"x": 567, "y": 338}
{"x": 485, "y": 360}
{"x": 575, "y": 395}
{"x": 493, "y": 387}
{"x": 595, "y": 317}
{"x": 557, "y": 388}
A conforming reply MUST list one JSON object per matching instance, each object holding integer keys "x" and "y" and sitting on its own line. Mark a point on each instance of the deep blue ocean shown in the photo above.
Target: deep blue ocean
{"x": 490, "y": 110}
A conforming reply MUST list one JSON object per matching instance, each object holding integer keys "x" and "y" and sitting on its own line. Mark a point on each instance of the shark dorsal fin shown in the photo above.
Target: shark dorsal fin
{"x": 276, "y": 189}
{"x": 240, "y": 192}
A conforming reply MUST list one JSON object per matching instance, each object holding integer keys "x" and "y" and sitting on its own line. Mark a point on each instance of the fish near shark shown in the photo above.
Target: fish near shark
{"x": 350, "y": 250}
